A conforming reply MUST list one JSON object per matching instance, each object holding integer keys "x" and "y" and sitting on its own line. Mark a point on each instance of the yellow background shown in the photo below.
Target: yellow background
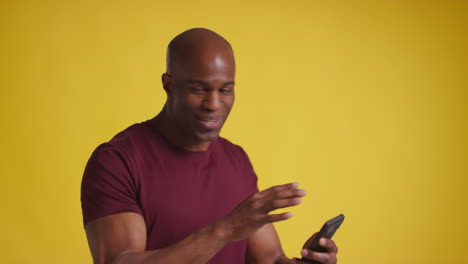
{"x": 362, "y": 102}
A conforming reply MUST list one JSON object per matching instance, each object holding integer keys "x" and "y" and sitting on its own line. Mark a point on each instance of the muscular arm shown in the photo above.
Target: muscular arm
{"x": 264, "y": 246}
{"x": 121, "y": 239}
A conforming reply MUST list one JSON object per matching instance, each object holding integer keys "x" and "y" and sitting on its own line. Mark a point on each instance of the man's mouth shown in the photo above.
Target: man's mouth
{"x": 210, "y": 123}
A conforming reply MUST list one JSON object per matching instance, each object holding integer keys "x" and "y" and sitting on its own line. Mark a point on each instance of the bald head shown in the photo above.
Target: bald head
{"x": 197, "y": 47}
{"x": 199, "y": 83}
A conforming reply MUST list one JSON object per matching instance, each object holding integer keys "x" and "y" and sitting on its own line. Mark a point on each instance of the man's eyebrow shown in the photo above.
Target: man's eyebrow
{"x": 229, "y": 83}
{"x": 206, "y": 84}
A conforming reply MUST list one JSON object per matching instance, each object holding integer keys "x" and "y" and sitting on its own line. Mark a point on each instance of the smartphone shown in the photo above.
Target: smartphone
{"x": 327, "y": 231}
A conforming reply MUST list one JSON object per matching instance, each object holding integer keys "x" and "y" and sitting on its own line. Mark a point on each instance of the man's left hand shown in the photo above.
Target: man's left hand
{"x": 328, "y": 257}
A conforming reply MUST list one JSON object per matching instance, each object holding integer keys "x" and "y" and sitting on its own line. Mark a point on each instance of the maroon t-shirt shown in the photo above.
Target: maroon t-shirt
{"x": 177, "y": 192}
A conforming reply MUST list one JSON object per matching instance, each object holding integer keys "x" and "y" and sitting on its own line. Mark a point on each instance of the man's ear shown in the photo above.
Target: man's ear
{"x": 167, "y": 83}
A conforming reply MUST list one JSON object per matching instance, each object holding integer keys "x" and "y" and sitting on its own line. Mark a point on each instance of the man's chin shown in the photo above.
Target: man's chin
{"x": 208, "y": 137}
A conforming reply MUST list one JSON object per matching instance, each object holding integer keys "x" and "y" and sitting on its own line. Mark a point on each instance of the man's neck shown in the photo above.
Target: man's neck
{"x": 169, "y": 130}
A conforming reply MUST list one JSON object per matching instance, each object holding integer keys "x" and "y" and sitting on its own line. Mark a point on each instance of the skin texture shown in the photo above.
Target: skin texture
{"x": 199, "y": 83}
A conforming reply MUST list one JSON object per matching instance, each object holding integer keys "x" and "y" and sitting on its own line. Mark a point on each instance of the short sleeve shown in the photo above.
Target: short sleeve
{"x": 108, "y": 186}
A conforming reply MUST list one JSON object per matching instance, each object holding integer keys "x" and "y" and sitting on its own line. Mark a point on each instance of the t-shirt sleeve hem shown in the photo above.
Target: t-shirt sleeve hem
{"x": 109, "y": 213}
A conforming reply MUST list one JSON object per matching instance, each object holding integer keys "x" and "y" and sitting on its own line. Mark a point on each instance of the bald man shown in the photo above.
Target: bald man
{"x": 171, "y": 190}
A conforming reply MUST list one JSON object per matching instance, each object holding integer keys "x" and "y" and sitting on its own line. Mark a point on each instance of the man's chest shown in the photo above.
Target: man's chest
{"x": 184, "y": 199}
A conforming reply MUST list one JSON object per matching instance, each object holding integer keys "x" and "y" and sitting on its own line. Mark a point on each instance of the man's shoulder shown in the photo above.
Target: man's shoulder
{"x": 232, "y": 148}
{"x": 135, "y": 132}
{"x": 236, "y": 154}
{"x": 133, "y": 138}
{"x": 225, "y": 143}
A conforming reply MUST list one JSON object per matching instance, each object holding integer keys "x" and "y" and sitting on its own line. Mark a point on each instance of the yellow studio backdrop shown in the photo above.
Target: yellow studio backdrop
{"x": 362, "y": 102}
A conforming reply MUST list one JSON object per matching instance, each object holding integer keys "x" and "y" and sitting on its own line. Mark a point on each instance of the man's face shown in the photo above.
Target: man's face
{"x": 203, "y": 95}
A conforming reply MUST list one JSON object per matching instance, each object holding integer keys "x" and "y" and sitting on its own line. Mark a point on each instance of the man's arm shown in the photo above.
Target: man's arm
{"x": 121, "y": 238}
{"x": 264, "y": 246}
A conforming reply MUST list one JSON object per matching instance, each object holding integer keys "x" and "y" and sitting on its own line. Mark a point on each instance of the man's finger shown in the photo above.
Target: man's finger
{"x": 277, "y": 217}
{"x": 328, "y": 244}
{"x": 322, "y": 257}
{"x": 278, "y": 188}
{"x": 281, "y": 203}
{"x": 290, "y": 193}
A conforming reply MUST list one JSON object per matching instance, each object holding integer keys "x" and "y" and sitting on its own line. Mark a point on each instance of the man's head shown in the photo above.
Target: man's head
{"x": 199, "y": 82}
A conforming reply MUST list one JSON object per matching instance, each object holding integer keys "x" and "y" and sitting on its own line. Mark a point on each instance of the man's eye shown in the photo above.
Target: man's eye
{"x": 226, "y": 91}
{"x": 197, "y": 89}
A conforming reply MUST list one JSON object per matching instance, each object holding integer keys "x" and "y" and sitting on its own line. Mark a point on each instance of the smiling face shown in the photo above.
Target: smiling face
{"x": 200, "y": 88}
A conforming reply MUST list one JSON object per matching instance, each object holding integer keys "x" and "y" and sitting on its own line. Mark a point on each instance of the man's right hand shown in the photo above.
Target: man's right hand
{"x": 253, "y": 212}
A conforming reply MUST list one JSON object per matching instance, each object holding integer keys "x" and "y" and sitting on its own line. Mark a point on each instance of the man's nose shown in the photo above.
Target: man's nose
{"x": 212, "y": 101}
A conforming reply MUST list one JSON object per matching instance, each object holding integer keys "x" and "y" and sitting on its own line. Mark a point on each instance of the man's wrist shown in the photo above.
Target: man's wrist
{"x": 221, "y": 232}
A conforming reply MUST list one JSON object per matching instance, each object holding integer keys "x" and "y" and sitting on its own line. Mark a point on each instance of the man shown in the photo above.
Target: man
{"x": 170, "y": 190}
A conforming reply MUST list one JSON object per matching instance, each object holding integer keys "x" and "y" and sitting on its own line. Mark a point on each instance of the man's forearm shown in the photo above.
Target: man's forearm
{"x": 197, "y": 248}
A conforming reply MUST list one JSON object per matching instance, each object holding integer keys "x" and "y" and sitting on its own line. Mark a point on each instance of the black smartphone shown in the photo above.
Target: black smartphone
{"x": 327, "y": 231}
